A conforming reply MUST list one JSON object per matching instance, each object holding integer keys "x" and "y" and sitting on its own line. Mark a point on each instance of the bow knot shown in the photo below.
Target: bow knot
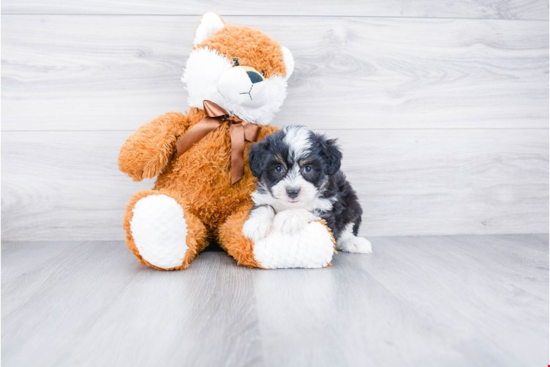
{"x": 239, "y": 131}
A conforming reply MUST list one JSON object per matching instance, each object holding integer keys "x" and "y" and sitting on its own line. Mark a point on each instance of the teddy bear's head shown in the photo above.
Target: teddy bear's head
{"x": 239, "y": 68}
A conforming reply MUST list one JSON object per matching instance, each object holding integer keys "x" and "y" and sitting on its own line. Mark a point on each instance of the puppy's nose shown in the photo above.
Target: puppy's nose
{"x": 254, "y": 76}
{"x": 292, "y": 192}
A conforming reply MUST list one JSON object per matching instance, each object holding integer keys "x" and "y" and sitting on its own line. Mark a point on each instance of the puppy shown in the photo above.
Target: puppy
{"x": 299, "y": 180}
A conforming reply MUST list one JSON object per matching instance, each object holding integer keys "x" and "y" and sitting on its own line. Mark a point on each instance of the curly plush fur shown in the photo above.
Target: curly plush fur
{"x": 193, "y": 199}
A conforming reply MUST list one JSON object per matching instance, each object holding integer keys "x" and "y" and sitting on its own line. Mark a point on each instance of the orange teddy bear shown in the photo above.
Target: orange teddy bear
{"x": 236, "y": 78}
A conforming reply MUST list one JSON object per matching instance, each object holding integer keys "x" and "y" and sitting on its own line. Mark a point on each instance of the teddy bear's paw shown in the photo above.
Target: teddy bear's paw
{"x": 258, "y": 223}
{"x": 292, "y": 220}
{"x": 310, "y": 247}
{"x": 159, "y": 231}
{"x": 354, "y": 244}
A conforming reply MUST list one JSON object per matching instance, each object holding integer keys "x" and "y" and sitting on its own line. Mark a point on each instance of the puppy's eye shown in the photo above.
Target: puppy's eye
{"x": 279, "y": 169}
{"x": 263, "y": 73}
{"x": 308, "y": 169}
{"x": 235, "y": 61}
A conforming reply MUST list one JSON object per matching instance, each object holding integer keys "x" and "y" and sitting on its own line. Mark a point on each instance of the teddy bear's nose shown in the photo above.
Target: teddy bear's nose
{"x": 254, "y": 76}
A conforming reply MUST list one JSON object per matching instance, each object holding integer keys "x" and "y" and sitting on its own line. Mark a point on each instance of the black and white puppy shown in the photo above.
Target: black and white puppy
{"x": 298, "y": 180}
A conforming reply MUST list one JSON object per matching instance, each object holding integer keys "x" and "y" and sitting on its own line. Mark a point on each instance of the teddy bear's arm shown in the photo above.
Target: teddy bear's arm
{"x": 146, "y": 152}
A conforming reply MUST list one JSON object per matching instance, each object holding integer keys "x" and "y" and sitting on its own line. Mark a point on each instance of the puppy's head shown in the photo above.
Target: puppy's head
{"x": 292, "y": 166}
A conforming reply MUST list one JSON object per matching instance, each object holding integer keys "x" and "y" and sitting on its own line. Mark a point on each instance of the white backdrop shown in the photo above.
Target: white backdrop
{"x": 441, "y": 107}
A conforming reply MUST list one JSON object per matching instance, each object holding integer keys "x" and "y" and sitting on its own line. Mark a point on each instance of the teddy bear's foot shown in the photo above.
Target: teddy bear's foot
{"x": 312, "y": 246}
{"x": 159, "y": 230}
{"x": 161, "y": 233}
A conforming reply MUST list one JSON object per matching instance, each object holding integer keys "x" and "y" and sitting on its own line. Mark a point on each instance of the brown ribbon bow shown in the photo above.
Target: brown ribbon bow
{"x": 239, "y": 131}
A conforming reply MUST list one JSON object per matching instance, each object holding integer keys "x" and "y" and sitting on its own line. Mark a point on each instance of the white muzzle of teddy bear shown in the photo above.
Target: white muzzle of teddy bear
{"x": 244, "y": 86}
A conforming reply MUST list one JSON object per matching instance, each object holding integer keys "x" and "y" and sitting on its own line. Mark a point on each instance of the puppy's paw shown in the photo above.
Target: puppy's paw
{"x": 258, "y": 224}
{"x": 355, "y": 244}
{"x": 292, "y": 220}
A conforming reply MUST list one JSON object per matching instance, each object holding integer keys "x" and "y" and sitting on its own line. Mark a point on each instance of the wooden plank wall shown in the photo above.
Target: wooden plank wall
{"x": 441, "y": 106}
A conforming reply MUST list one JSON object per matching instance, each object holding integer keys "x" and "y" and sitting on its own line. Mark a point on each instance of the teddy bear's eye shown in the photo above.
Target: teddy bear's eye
{"x": 235, "y": 62}
{"x": 263, "y": 73}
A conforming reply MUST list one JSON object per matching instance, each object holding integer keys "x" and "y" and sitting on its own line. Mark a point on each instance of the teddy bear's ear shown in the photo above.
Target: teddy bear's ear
{"x": 289, "y": 61}
{"x": 210, "y": 24}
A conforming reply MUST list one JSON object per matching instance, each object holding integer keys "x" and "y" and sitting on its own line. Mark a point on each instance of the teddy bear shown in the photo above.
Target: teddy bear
{"x": 236, "y": 78}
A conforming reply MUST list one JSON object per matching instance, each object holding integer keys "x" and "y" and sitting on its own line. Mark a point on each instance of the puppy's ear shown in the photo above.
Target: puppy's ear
{"x": 256, "y": 157}
{"x": 332, "y": 155}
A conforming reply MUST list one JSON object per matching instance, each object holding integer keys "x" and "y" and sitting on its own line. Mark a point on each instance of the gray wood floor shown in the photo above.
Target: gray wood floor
{"x": 417, "y": 301}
